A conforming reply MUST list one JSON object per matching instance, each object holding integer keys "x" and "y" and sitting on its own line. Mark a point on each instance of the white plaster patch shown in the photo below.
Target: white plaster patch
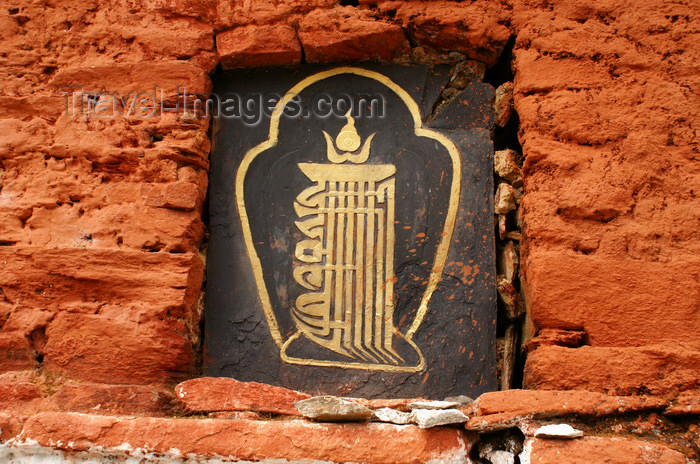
{"x": 29, "y": 452}
{"x": 562, "y": 431}
{"x": 526, "y": 452}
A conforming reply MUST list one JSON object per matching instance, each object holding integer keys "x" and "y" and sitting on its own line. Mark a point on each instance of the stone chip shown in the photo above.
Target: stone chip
{"x": 426, "y": 418}
{"x": 332, "y": 409}
{"x": 434, "y": 405}
{"x": 392, "y": 416}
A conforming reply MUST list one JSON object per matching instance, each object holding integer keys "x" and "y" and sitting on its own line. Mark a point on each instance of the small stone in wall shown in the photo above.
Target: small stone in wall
{"x": 502, "y": 226}
{"x": 465, "y": 72}
{"x": 449, "y": 93}
{"x": 518, "y": 194}
{"x": 505, "y": 198}
{"x": 456, "y": 56}
{"x": 426, "y": 55}
{"x": 500, "y": 457}
{"x": 392, "y": 416}
{"x": 235, "y": 415}
{"x": 332, "y": 409}
{"x": 503, "y": 104}
{"x": 558, "y": 431}
{"x": 508, "y": 295}
{"x": 433, "y": 405}
{"x": 506, "y": 166}
{"x": 514, "y": 235}
{"x": 508, "y": 262}
{"x": 426, "y": 418}
{"x": 463, "y": 400}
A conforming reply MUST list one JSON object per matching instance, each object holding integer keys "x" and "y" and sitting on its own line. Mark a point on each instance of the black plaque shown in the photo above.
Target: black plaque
{"x": 351, "y": 241}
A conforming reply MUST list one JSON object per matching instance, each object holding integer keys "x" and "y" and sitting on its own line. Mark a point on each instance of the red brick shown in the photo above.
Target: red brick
{"x": 656, "y": 369}
{"x": 111, "y": 399}
{"x": 209, "y": 394}
{"x": 256, "y": 46}
{"x": 175, "y": 195}
{"x": 251, "y": 440}
{"x": 79, "y": 277}
{"x": 600, "y": 450}
{"x": 18, "y": 395}
{"x": 557, "y": 337}
{"x": 343, "y": 34}
{"x": 138, "y": 77}
{"x": 687, "y": 404}
{"x": 475, "y": 28}
{"x": 15, "y": 352}
{"x": 617, "y": 301}
{"x": 10, "y": 426}
{"x": 103, "y": 349}
{"x": 548, "y": 403}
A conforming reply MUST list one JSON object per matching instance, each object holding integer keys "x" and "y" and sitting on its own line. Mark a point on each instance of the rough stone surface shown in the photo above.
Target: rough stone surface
{"x": 608, "y": 125}
{"x": 249, "y": 440}
{"x": 434, "y": 405}
{"x": 466, "y": 71}
{"x": 462, "y": 400}
{"x": 332, "y": 409}
{"x": 505, "y": 199}
{"x": 18, "y": 394}
{"x": 475, "y": 29}
{"x": 508, "y": 262}
{"x": 254, "y": 46}
{"x": 209, "y": 394}
{"x": 15, "y": 352}
{"x": 506, "y": 165}
{"x": 510, "y": 298}
{"x": 111, "y": 399}
{"x": 427, "y": 418}
{"x": 392, "y": 416}
{"x": 503, "y": 104}
{"x": 687, "y": 403}
{"x": 556, "y": 337}
{"x": 346, "y": 34}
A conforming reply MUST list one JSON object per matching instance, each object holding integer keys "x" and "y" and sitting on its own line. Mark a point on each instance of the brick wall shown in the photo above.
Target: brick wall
{"x": 101, "y": 218}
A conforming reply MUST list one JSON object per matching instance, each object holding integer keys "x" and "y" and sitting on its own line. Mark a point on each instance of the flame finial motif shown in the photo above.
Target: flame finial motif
{"x": 348, "y": 141}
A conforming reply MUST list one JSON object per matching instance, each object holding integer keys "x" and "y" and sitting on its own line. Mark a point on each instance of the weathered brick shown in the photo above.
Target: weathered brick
{"x": 255, "y": 46}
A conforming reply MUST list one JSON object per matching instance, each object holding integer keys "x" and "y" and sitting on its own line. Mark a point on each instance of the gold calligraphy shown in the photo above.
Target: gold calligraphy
{"x": 338, "y": 320}
{"x": 347, "y": 217}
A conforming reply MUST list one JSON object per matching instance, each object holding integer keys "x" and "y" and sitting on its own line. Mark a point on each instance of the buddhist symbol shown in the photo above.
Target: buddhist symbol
{"x": 347, "y": 254}
{"x": 342, "y": 271}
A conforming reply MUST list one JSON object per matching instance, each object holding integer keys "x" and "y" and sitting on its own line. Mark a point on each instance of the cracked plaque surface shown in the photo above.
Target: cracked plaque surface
{"x": 351, "y": 239}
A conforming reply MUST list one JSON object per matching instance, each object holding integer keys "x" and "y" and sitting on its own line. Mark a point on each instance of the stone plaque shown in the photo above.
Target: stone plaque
{"x": 351, "y": 248}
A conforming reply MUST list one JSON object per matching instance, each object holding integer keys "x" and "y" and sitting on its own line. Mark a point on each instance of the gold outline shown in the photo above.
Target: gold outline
{"x": 443, "y": 246}
{"x": 352, "y": 365}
